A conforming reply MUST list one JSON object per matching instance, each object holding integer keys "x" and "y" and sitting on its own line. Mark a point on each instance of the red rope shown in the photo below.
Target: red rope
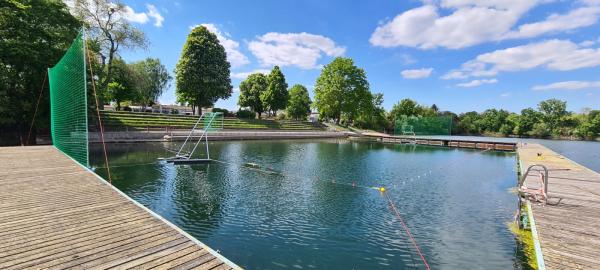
{"x": 99, "y": 119}
{"x": 36, "y": 106}
{"x": 412, "y": 239}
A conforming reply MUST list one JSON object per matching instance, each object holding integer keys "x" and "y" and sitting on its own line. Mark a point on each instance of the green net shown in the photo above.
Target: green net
{"x": 414, "y": 125}
{"x": 68, "y": 103}
{"x": 213, "y": 120}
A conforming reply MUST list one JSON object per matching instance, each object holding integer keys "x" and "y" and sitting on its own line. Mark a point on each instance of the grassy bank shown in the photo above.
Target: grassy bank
{"x": 114, "y": 120}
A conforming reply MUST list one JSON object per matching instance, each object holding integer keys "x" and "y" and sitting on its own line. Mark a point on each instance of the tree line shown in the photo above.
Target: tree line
{"x": 550, "y": 119}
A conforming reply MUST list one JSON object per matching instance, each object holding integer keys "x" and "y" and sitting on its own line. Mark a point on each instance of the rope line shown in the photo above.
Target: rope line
{"x": 99, "y": 119}
{"x": 36, "y": 106}
{"x": 407, "y": 230}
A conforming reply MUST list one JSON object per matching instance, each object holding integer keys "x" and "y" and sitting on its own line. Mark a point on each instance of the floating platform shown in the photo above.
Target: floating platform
{"x": 450, "y": 142}
{"x": 56, "y": 214}
{"x": 188, "y": 160}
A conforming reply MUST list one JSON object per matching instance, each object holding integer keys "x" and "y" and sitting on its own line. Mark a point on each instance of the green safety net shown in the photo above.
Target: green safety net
{"x": 68, "y": 103}
{"x": 415, "y": 125}
{"x": 212, "y": 121}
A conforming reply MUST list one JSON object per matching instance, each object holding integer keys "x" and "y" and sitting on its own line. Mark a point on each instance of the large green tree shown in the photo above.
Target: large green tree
{"x": 153, "y": 80}
{"x": 299, "y": 102}
{"x": 108, "y": 31}
{"x": 528, "y": 118}
{"x": 34, "y": 34}
{"x": 553, "y": 111}
{"x": 275, "y": 97}
{"x": 340, "y": 89}
{"x": 202, "y": 73}
{"x": 124, "y": 83}
{"x": 250, "y": 92}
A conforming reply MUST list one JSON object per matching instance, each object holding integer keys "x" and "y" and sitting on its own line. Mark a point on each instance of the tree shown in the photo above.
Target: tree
{"x": 527, "y": 119}
{"x": 108, "y": 31}
{"x": 154, "y": 79}
{"x": 492, "y": 120}
{"x": 276, "y": 95}
{"x": 469, "y": 123}
{"x": 372, "y": 113}
{"x": 553, "y": 111}
{"x": 299, "y": 102}
{"x": 124, "y": 83}
{"x": 251, "y": 90}
{"x": 590, "y": 126}
{"x": 202, "y": 73}
{"x": 340, "y": 88}
{"x": 406, "y": 107}
{"x": 34, "y": 34}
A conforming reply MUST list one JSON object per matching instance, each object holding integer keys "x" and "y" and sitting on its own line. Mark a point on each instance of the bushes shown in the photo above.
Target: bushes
{"x": 245, "y": 114}
{"x": 225, "y": 112}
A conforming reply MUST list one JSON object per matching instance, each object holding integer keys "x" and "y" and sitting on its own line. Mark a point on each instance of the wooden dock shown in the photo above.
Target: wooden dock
{"x": 450, "y": 142}
{"x": 569, "y": 226}
{"x": 55, "y": 214}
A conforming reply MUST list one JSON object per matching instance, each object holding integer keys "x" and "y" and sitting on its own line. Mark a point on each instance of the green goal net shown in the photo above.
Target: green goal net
{"x": 68, "y": 103}
{"x": 422, "y": 126}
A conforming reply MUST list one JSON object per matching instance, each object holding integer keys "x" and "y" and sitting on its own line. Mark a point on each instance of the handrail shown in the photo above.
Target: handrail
{"x": 544, "y": 179}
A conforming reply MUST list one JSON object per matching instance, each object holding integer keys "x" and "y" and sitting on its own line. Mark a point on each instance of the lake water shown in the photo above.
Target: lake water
{"x": 317, "y": 207}
{"x": 586, "y": 153}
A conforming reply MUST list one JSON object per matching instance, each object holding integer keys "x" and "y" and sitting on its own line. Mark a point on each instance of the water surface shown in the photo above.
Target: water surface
{"x": 307, "y": 214}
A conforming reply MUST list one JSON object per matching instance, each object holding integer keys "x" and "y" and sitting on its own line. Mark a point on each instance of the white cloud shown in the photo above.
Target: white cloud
{"x": 293, "y": 49}
{"x": 554, "y": 54}
{"x": 232, "y": 47}
{"x": 587, "y": 43}
{"x": 128, "y": 13}
{"x": 132, "y": 16}
{"x": 416, "y": 73}
{"x": 576, "y": 18}
{"x": 475, "y": 83}
{"x": 569, "y": 85}
{"x": 153, "y": 13}
{"x": 456, "y": 24}
{"x": 244, "y": 75}
{"x": 505, "y": 95}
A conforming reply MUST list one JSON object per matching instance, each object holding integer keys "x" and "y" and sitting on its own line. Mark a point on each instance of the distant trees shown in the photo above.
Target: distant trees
{"x": 340, "y": 90}
{"x": 140, "y": 82}
{"x": 251, "y": 91}
{"x": 33, "y": 37}
{"x": 153, "y": 80}
{"x": 123, "y": 83}
{"x": 202, "y": 73}
{"x": 275, "y": 96}
{"x": 299, "y": 102}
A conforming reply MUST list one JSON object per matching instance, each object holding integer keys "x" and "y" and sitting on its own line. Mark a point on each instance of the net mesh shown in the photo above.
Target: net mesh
{"x": 68, "y": 103}
{"x": 212, "y": 121}
{"x": 414, "y": 125}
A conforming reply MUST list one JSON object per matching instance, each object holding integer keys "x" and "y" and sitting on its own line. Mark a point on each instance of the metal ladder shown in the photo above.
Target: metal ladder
{"x": 208, "y": 119}
{"x": 544, "y": 179}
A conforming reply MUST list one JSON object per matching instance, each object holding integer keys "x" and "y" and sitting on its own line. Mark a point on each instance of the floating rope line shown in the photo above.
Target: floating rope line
{"x": 36, "y": 106}
{"x": 273, "y": 172}
{"x": 407, "y": 230}
{"x": 98, "y": 114}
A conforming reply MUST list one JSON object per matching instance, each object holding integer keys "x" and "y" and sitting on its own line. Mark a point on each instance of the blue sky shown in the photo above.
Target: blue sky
{"x": 462, "y": 55}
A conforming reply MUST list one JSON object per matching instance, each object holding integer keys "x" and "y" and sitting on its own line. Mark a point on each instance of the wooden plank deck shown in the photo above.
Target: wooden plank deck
{"x": 55, "y": 214}
{"x": 569, "y": 226}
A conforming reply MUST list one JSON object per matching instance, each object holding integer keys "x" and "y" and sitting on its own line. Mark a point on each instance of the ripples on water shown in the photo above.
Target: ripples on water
{"x": 456, "y": 202}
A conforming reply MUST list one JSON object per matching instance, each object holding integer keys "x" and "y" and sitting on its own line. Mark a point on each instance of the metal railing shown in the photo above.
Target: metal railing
{"x": 544, "y": 180}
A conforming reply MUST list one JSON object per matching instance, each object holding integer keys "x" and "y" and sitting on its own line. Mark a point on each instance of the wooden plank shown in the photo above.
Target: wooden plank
{"x": 568, "y": 225}
{"x": 55, "y": 214}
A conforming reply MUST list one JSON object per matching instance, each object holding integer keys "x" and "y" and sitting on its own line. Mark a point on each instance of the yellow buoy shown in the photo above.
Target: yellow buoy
{"x": 382, "y": 189}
